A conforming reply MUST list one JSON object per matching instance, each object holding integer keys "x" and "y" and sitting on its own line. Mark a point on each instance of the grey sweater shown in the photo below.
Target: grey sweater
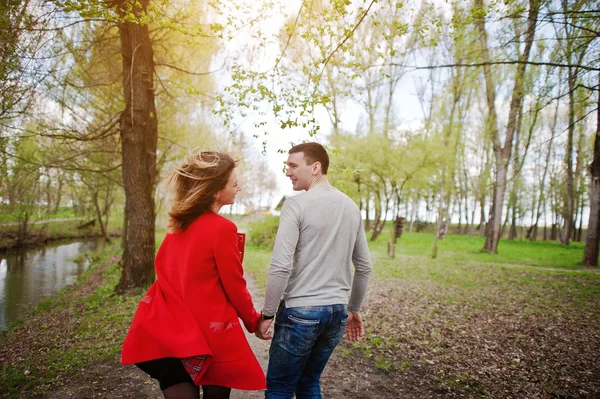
{"x": 320, "y": 234}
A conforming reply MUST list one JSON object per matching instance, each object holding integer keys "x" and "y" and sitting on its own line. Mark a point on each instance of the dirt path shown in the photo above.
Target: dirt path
{"x": 260, "y": 347}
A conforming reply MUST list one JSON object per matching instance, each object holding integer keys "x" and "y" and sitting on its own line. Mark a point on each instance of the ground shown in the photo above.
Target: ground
{"x": 449, "y": 328}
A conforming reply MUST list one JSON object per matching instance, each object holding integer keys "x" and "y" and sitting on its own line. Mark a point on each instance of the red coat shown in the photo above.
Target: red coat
{"x": 193, "y": 307}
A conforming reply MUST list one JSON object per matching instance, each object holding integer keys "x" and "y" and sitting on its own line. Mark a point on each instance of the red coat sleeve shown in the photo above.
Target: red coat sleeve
{"x": 231, "y": 273}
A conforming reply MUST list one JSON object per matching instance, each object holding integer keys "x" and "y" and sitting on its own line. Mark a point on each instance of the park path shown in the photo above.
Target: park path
{"x": 259, "y": 347}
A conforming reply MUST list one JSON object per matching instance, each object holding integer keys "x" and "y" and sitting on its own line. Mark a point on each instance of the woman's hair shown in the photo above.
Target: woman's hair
{"x": 195, "y": 183}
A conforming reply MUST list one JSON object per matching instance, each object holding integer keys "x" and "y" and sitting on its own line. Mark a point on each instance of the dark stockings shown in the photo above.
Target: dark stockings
{"x": 215, "y": 392}
{"x": 186, "y": 390}
{"x": 183, "y": 390}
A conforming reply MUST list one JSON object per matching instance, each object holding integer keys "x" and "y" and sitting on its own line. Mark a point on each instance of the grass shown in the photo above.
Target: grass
{"x": 12, "y": 214}
{"x": 39, "y": 234}
{"x": 457, "y": 248}
{"x": 256, "y": 262}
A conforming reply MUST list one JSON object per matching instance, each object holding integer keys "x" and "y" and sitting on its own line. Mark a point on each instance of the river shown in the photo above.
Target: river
{"x": 32, "y": 275}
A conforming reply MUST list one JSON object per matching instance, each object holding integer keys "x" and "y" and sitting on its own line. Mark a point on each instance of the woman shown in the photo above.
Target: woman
{"x": 186, "y": 331}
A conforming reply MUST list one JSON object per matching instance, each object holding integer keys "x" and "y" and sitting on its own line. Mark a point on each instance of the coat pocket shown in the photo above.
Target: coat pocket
{"x": 226, "y": 341}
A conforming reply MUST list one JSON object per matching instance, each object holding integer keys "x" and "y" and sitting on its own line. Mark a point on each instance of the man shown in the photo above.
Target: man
{"x": 320, "y": 234}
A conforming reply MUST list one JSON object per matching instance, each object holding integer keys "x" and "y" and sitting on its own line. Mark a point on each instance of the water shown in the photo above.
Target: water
{"x": 29, "y": 276}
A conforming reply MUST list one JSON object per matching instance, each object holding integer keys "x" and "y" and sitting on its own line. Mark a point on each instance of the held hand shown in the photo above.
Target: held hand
{"x": 354, "y": 328}
{"x": 262, "y": 330}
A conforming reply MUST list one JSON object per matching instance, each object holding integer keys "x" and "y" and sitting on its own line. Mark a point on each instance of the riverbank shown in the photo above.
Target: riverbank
{"x": 40, "y": 234}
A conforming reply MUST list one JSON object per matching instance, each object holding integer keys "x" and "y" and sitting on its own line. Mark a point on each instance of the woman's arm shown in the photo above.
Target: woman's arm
{"x": 231, "y": 273}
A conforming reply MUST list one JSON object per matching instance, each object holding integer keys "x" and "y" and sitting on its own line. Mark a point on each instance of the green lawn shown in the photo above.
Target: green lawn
{"x": 12, "y": 214}
{"x": 458, "y": 248}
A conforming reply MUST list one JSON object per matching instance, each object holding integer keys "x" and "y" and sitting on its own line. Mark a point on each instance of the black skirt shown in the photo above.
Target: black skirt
{"x": 168, "y": 371}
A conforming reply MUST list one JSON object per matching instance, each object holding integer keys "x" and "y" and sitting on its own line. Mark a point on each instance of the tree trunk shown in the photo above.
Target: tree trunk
{"x": 541, "y": 203}
{"x": 459, "y": 227}
{"x": 569, "y": 200}
{"x": 367, "y": 210}
{"x": 580, "y": 230}
{"x": 592, "y": 239}
{"x": 139, "y": 135}
{"x": 503, "y": 228}
{"x": 380, "y": 220}
{"x": 413, "y": 212}
{"x": 554, "y": 232}
{"x": 503, "y": 154}
{"x": 48, "y": 195}
{"x": 58, "y": 194}
{"x": 492, "y": 234}
{"x": 482, "y": 220}
{"x": 99, "y": 216}
{"x": 377, "y": 218}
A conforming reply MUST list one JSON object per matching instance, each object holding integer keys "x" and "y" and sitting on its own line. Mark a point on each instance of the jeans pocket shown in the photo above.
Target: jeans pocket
{"x": 300, "y": 334}
{"x": 337, "y": 333}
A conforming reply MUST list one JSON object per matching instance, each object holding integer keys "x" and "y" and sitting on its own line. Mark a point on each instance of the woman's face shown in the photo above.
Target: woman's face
{"x": 226, "y": 196}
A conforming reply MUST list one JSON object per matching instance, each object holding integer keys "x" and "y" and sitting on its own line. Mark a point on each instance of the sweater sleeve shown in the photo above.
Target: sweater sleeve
{"x": 231, "y": 273}
{"x": 282, "y": 260}
{"x": 361, "y": 259}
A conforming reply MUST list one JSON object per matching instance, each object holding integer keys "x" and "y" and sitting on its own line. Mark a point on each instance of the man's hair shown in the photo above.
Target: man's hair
{"x": 313, "y": 152}
{"x": 194, "y": 184}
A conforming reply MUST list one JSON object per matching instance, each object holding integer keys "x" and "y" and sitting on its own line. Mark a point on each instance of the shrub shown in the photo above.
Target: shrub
{"x": 262, "y": 232}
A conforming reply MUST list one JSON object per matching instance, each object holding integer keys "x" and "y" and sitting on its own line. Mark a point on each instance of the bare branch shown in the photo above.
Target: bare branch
{"x": 509, "y": 62}
{"x": 186, "y": 71}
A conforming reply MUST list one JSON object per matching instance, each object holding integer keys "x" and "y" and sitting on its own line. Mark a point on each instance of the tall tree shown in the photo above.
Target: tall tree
{"x": 503, "y": 152}
{"x": 139, "y": 138}
{"x": 592, "y": 240}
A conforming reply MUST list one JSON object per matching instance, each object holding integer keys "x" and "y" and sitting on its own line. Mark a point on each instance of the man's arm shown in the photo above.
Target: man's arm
{"x": 361, "y": 258}
{"x": 282, "y": 260}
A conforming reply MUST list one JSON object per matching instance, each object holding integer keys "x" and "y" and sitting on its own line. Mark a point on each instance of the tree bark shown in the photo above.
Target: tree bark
{"x": 590, "y": 254}
{"x": 139, "y": 136}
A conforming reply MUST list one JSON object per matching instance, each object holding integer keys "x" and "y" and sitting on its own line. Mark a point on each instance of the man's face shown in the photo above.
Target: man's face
{"x": 298, "y": 171}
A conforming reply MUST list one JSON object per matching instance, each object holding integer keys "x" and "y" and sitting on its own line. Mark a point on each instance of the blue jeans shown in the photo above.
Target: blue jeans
{"x": 303, "y": 341}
